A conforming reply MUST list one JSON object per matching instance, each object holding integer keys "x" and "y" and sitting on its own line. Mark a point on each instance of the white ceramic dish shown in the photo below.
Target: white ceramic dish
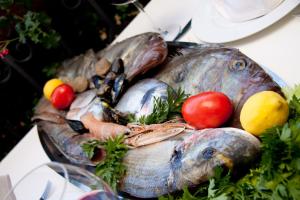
{"x": 209, "y": 26}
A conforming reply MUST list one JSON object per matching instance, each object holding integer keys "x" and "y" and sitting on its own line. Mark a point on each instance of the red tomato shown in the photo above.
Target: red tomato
{"x": 62, "y": 96}
{"x": 207, "y": 110}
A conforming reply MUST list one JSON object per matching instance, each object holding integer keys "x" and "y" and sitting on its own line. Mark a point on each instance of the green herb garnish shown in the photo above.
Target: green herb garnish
{"x": 111, "y": 169}
{"x": 290, "y": 92}
{"x": 276, "y": 176}
{"x": 164, "y": 110}
{"x": 90, "y": 146}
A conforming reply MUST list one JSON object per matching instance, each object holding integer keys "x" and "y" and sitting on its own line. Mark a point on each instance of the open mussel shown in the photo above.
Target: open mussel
{"x": 118, "y": 87}
{"x": 111, "y": 86}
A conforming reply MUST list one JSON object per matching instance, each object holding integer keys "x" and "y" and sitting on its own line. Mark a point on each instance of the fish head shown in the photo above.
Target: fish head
{"x": 241, "y": 78}
{"x": 199, "y": 154}
{"x": 149, "y": 52}
{"x": 225, "y": 70}
{"x": 139, "y": 99}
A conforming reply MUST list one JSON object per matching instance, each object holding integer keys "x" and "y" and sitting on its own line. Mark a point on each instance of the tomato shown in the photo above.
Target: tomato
{"x": 62, "y": 96}
{"x": 207, "y": 110}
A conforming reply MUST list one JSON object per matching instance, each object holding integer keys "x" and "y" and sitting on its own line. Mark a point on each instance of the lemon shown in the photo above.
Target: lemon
{"x": 263, "y": 110}
{"x": 50, "y": 87}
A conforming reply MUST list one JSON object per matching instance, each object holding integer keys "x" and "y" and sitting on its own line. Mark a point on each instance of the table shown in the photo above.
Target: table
{"x": 276, "y": 48}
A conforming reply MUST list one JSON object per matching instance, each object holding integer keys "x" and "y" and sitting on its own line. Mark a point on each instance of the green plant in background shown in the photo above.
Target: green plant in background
{"x": 33, "y": 26}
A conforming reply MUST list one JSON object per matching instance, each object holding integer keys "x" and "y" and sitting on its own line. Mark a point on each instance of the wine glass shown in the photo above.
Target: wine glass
{"x": 169, "y": 32}
{"x": 33, "y": 184}
{"x": 59, "y": 181}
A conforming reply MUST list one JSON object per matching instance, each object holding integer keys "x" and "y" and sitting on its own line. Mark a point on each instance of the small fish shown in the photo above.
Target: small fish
{"x": 69, "y": 142}
{"x": 45, "y": 111}
{"x": 186, "y": 160}
{"x": 219, "y": 69}
{"x": 139, "y": 99}
{"x": 84, "y": 103}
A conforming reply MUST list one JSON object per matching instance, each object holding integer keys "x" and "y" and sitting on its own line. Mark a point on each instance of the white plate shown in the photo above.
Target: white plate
{"x": 209, "y": 26}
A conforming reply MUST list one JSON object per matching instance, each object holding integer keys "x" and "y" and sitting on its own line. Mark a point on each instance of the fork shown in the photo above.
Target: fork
{"x": 46, "y": 191}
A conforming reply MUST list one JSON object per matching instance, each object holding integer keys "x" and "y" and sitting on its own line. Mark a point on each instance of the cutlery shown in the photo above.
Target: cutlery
{"x": 184, "y": 30}
{"x": 46, "y": 191}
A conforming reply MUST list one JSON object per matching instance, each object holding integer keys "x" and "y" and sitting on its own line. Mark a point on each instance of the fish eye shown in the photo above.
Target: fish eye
{"x": 238, "y": 65}
{"x": 208, "y": 153}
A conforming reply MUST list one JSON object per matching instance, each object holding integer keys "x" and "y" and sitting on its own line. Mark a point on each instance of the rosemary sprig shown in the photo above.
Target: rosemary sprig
{"x": 164, "y": 110}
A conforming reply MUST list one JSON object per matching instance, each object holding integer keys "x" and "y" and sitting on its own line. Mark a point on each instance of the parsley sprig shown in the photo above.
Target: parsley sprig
{"x": 164, "y": 110}
{"x": 111, "y": 169}
{"x": 276, "y": 176}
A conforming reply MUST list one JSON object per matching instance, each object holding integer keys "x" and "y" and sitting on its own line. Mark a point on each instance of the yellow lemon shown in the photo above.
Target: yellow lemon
{"x": 50, "y": 87}
{"x": 263, "y": 110}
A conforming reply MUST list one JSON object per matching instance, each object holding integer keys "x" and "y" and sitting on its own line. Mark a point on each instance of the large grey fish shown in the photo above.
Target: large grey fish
{"x": 188, "y": 160}
{"x": 220, "y": 69}
{"x": 139, "y": 99}
{"x": 139, "y": 54}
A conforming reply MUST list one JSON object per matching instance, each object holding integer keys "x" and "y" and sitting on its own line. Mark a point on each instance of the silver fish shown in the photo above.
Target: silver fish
{"x": 45, "y": 111}
{"x": 68, "y": 142}
{"x": 188, "y": 160}
{"x": 84, "y": 103}
{"x": 139, "y": 99}
{"x": 220, "y": 69}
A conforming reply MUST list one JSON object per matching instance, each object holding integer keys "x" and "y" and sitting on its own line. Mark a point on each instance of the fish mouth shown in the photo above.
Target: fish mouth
{"x": 227, "y": 162}
{"x": 212, "y": 153}
{"x": 99, "y": 155}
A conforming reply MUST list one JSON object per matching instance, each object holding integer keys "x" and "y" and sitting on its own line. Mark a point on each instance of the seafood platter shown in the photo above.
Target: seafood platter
{"x": 136, "y": 78}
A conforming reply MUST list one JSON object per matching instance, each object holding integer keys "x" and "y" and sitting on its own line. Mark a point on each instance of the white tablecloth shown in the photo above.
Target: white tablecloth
{"x": 276, "y": 48}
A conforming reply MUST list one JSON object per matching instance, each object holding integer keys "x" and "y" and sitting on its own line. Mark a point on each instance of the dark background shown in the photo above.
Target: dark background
{"x": 81, "y": 27}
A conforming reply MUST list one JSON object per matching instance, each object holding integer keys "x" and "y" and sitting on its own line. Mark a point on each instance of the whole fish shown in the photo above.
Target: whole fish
{"x": 139, "y": 54}
{"x": 139, "y": 99}
{"x": 188, "y": 160}
{"x": 220, "y": 69}
{"x": 85, "y": 102}
{"x": 45, "y": 111}
{"x": 81, "y": 65}
{"x": 69, "y": 142}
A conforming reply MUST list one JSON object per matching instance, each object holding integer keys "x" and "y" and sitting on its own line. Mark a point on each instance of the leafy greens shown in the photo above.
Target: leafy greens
{"x": 111, "y": 169}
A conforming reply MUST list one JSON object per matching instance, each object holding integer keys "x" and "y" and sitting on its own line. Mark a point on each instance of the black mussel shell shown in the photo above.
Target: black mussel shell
{"x": 117, "y": 66}
{"x": 97, "y": 81}
{"x": 118, "y": 87}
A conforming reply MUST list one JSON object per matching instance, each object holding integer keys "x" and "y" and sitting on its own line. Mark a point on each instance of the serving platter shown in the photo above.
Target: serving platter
{"x": 178, "y": 53}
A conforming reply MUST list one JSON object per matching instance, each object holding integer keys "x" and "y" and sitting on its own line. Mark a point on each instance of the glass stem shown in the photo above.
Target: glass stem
{"x": 140, "y": 7}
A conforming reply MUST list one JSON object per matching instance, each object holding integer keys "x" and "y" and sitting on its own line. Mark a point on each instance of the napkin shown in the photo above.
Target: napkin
{"x": 5, "y": 187}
